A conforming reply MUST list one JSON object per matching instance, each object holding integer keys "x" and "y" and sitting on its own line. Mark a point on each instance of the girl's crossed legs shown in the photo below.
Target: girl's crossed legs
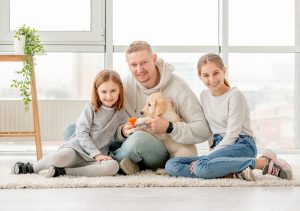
{"x": 238, "y": 159}
{"x": 218, "y": 163}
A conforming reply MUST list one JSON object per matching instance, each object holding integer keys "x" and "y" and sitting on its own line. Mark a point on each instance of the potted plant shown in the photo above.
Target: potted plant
{"x": 32, "y": 46}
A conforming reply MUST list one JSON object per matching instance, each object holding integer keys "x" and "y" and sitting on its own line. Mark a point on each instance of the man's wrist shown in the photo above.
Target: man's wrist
{"x": 170, "y": 128}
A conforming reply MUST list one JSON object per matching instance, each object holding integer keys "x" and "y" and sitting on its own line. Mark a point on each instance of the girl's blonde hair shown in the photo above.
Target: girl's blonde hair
{"x": 102, "y": 77}
{"x": 214, "y": 58}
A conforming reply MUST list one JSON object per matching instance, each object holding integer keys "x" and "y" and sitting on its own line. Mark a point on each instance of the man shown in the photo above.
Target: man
{"x": 149, "y": 75}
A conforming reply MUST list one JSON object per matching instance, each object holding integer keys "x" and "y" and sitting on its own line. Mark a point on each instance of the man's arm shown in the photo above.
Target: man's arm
{"x": 194, "y": 128}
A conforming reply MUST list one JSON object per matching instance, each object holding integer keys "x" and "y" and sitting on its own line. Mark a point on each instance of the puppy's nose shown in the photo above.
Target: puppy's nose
{"x": 142, "y": 112}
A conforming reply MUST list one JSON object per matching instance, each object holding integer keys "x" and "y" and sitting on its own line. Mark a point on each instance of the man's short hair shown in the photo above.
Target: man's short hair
{"x": 138, "y": 46}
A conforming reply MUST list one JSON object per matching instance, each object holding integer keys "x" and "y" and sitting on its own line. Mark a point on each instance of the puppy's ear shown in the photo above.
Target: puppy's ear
{"x": 150, "y": 108}
{"x": 160, "y": 107}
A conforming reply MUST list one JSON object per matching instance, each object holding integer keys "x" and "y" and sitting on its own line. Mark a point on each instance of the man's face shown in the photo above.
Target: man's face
{"x": 142, "y": 66}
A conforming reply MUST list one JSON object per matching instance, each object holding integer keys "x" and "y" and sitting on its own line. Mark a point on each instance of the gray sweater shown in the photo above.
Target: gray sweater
{"x": 227, "y": 115}
{"x": 194, "y": 128}
{"x": 95, "y": 131}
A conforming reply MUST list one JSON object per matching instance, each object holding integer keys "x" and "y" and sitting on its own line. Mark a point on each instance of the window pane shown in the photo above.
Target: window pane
{"x": 8, "y": 74}
{"x": 120, "y": 64}
{"x": 166, "y": 22}
{"x": 58, "y": 76}
{"x": 257, "y": 22}
{"x": 267, "y": 80}
{"x": 185, "y": 67}
{"x": 51, "y": 15}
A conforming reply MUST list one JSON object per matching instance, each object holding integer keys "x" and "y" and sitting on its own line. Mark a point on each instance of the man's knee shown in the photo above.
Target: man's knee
{"x": 142, "y": 146}
{"x": 140, "y": 138}
{"x": 135, "y": 142}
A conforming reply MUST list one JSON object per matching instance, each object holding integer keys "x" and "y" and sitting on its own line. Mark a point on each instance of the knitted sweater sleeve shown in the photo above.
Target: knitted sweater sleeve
{"x": 194, "y": 128}
{"x": 83, "y": 129}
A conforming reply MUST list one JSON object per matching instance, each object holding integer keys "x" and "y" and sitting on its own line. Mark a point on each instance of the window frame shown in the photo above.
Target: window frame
{"x": 63, "y": 41}
{"x": 102, "y": 42}
{"x": 224, "y": 49}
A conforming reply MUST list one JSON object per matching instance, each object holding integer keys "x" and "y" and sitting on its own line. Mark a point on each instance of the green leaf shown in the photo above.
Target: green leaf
{"x": 32, "y": 47}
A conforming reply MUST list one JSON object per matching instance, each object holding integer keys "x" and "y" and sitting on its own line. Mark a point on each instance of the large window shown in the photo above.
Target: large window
{"x": 166, "y": 22}
{"x": 265, "y": 23}
{"x": 76, "y": 19}
{"x": 267, "y": 81}
{"x": 59, "y": 76}
{"x": 258, "y": 40}
{"x": 253, "y": 41}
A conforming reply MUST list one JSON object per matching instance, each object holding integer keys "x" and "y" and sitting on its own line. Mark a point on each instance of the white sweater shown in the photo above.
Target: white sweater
{"x": 194, "y": 129}
{"x": 227, "y": 115}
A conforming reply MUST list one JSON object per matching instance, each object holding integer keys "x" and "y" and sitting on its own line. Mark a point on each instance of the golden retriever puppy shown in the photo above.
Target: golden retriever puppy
{"x": 160, "y": 105}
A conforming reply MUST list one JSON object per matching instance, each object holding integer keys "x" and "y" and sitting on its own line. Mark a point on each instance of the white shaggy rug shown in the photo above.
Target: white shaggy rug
{"x": 143, "y": 179}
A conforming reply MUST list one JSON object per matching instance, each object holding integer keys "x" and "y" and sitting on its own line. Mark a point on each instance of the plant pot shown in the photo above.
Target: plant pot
{"x": 19, "y": 44}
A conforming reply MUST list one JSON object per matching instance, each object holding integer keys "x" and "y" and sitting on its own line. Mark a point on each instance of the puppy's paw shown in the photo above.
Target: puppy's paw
{"x": 141, "y": 121}
{"x": 137, "y": 128}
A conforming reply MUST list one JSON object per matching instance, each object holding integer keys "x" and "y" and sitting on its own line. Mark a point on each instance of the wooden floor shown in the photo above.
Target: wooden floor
{"x": 154, "y": 199}
{"x": 150, "y": 199}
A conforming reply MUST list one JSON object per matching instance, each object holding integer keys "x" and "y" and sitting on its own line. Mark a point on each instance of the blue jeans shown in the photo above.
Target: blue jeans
{"x": 219, "y": 163}
{"x": 144, "y": 149}
{"x": 140, "y": 147}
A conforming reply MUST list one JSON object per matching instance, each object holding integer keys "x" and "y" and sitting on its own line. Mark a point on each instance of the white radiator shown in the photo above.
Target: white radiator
{"x": 54, "y": 117}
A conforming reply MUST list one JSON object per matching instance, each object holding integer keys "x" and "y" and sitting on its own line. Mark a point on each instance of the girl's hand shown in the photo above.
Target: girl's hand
{"x": 126, "y": 129}
{"x": 99, "y": 158}
{"x": 192, "y": 167}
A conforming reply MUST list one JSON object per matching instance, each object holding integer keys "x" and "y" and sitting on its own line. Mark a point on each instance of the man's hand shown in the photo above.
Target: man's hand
{"x": 102, "y": 157}
{"x": 157, "y": 124}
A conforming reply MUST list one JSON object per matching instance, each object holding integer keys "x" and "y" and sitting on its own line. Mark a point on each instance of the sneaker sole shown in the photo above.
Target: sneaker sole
{"x": 287, "y": 168}
{"x": 14, "y": 168}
